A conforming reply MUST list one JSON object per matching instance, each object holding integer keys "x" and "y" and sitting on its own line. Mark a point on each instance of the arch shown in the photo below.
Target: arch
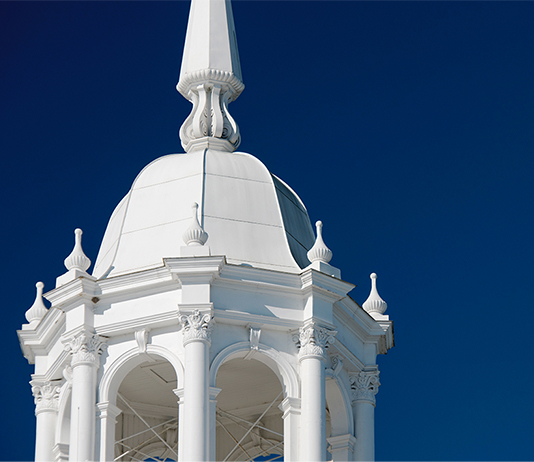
{"x": 340, "y": 406}
{"x": 119, "y": 369}
{"x": 63, "y": 417}
{"x": 266, "y": 355}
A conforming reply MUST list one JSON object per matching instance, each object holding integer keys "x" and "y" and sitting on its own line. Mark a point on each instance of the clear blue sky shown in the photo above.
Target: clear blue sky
{"x": 407, "y": 128}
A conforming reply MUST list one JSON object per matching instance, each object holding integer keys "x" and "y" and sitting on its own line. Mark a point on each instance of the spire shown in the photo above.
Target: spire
{"x": 374, "y": 304}
{"x": 210, "y": 77}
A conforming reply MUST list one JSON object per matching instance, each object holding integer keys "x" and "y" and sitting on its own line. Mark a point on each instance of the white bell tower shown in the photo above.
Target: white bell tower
{"x": 213, "y": 326}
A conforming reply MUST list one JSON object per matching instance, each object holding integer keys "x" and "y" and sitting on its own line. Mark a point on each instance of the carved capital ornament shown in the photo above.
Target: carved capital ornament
{"x": 364, "y": 386}
{"x": 313, "y": 340}
{"x": 85, "y": 348}
{"x": 46, "y": 397}
{"x": 197, "y": 326}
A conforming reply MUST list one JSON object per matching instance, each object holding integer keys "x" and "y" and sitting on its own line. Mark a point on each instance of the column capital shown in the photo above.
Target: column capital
{"x": 85, "y": 348}
{"x": 197, "y": 326}
{"x": 364, "y": 386}
{"x": 46, "y": 396}
{"x": 313, "y": 340}
{"x": 108, "y": 410}
{"x": 342, "y": 443}
{"x": 290, "y": 405}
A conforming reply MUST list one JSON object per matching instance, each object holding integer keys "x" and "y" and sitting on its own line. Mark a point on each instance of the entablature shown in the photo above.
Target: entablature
{"x": 39, "y": 341}
{"x": 363, "y": 326}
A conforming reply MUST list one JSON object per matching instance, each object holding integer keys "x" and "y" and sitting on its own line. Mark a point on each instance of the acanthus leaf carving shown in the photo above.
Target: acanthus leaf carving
{"x": 46, "y": 396}
{"x": 85, "y": 348}
{"x": 313, "y": 340}
{"x": 197, "y": 326}
{"x": 210, "y": 123}
{"x": 364, "y": 386}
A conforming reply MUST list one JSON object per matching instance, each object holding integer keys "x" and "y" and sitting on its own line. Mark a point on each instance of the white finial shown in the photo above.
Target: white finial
{"x": 374, "y": 303}
{"x": 195, "y": 235}
{"x": 38, "y": 309}
{"x": 319, "y": 251}
{"x": 77, "y": 259}
{"x": 210, "y": 77}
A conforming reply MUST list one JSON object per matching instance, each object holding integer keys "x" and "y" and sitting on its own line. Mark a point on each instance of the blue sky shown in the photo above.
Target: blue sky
{"x": 406, "y": 127}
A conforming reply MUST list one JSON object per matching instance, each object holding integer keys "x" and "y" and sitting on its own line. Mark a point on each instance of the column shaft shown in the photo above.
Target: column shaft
{"x": 196, "y": 402}
{"x": 365, "y": 431}
{"x": 313, "y": 414}
{"x": 45, "y": 435}
{"x": 83, "y": 407}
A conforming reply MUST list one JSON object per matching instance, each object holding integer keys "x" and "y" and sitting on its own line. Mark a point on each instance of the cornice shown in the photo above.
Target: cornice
{"x": 39, "y": 341}
{"x": 389, "y": 338}
{"x": 148, "y": 322}
{"x": 244, "y": 318}
{"x": 363, "y": 326}
{"x": 314, "y": 281}
{"x": 348, "y": 355}
{"x": 195, "y": 266}
{"x": 55, "y": 370}
{"x": 81, "y": 288}
{"x": 143, "y": 281}
{"x": 259, "y": 278}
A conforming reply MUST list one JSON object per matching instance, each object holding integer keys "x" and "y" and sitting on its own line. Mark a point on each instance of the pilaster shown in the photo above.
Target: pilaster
{"x": 291, "y": 415}
{"x": 107, "y": 418}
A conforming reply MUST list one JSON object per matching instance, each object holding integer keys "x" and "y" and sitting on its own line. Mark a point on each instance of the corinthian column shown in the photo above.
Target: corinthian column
{"x": 46, "y": 397}
{"x": 85, "y": 348}
{"x": 364, "y": 388}
{"x": 313, "y": 341}
{"x": 196, "y": 331}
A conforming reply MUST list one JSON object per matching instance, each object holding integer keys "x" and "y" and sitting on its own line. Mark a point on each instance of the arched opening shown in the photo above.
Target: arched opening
{"x": 249, "y": 423}
{"x": 147, "y": 427}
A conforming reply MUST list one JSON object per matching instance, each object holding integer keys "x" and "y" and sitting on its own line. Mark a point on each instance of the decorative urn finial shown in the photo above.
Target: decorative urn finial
{"x": 319, "y": 251}
{"x": 37, "y": 311}
{"x": 195, "y": 234}
{"x": 210, "y": 77}
{"x": 77, "y": 259}
{"x": 374, "y": 303}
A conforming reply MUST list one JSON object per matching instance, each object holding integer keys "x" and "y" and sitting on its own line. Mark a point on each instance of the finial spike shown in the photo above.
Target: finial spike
{"x": 195, "y": 234}
{"x": 37, "y": 311}
{"x": 77, "y": 259}
{"x": 374, "y": 303}
{"x": 319, "y": 251}
{"x": 210, "y": 77}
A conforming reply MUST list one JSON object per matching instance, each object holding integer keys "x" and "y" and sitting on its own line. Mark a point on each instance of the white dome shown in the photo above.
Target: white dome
{"x": 251, "y": 216}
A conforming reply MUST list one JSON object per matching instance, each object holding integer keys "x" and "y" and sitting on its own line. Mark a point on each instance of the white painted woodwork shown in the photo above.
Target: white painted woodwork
{"x": 213, "y": 325}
